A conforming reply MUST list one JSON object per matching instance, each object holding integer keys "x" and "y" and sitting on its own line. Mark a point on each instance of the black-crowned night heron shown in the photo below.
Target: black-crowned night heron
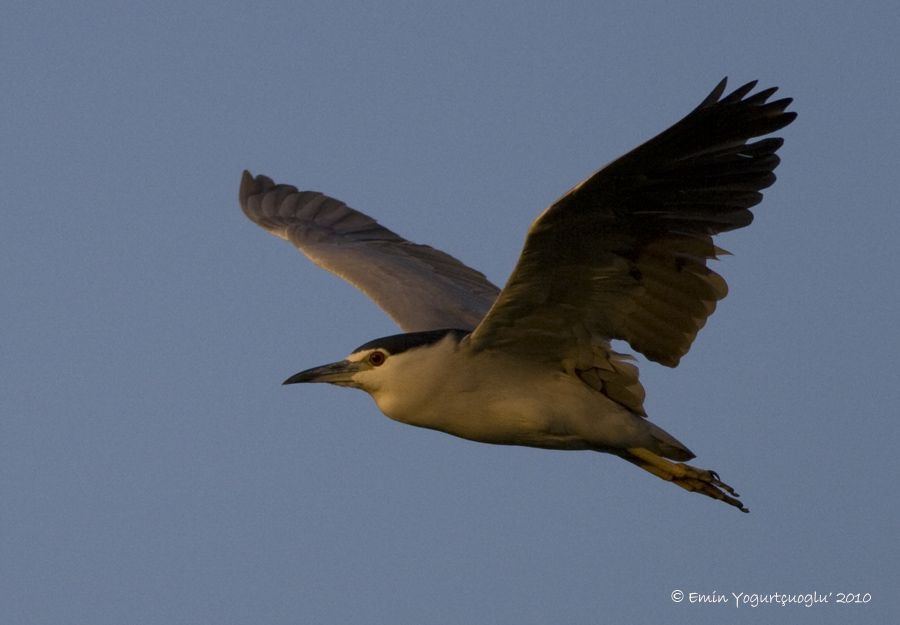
{"x": 623, "y": 255}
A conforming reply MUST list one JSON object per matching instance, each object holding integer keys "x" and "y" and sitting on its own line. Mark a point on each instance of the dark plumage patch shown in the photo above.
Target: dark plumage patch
{"x": 399, "y": 343}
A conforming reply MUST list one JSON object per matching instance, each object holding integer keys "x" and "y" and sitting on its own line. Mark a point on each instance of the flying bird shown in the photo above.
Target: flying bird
{"x": 623, "y": 255}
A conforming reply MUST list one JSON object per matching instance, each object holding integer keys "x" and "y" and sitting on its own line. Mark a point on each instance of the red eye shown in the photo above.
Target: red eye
{"x": 376, "y": 359}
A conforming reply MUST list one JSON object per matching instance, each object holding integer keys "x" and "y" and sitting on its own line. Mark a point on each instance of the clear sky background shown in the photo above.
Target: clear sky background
{"x": 154, "y": 471}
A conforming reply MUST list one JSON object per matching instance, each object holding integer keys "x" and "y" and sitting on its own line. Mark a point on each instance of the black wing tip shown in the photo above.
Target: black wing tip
{"x": 738, "y": 94}
{"x": 714, "y": 95}
{"x": 788, "y": 117}
{"x": 747, "y": 109}
{"x": 741, "y": 95}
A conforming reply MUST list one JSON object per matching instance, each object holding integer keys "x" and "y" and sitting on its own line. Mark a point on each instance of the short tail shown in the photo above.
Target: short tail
{"x": 684, "y": 475}
{"x": 667, "y": 445}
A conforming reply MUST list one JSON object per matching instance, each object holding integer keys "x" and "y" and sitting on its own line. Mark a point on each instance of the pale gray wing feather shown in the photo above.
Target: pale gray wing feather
{"x": 624, "y": 254}
{"x": 421, "y": 288}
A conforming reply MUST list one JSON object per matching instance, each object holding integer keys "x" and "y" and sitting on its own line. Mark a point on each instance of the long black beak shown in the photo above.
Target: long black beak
{"x": 340, "y": 373}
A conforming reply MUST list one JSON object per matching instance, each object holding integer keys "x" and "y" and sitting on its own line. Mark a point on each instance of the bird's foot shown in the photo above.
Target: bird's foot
{"x": 688, "y": 477}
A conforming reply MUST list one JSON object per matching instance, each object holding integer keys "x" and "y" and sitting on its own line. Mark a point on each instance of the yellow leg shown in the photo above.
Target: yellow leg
{"x": 684, "y": 475}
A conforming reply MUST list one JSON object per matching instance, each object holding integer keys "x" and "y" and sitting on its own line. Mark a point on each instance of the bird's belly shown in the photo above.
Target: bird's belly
{"x": 561, "y": 416}
{"x": 511, "y": 430}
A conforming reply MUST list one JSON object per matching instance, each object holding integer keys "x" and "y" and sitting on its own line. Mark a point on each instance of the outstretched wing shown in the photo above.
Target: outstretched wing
{"x": 624, "y": 254}
{"x": 421, "y": 288}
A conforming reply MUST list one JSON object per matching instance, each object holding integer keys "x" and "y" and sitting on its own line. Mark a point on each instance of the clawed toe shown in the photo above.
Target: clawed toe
{"x": 686, "y": 476}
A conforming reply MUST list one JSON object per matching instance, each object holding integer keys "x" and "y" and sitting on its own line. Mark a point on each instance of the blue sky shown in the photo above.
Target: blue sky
{"x": 152, "y": 470}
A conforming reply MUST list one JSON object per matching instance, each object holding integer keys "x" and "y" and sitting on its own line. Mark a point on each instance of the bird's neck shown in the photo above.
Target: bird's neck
{"x": 421, "y": 382}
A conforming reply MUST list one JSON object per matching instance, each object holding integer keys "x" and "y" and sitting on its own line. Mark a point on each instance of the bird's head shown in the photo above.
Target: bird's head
{"x": 387, "y": 364}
